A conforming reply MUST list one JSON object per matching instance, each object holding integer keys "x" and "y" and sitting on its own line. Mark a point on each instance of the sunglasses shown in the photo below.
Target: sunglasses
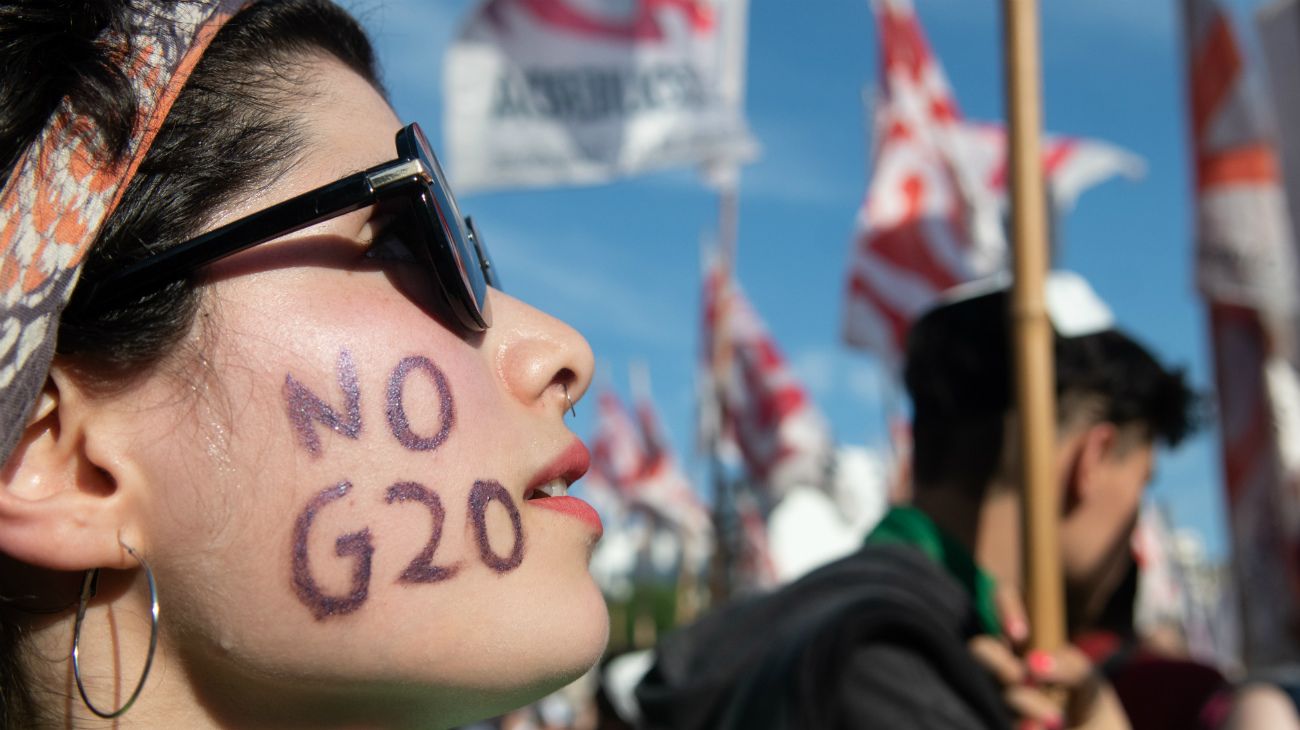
{"x": 439, "y": 240}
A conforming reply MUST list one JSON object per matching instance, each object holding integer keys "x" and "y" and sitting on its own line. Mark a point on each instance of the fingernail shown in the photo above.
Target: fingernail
{"x": 1054, "y": 723}
{"x": 1027, "y": 725}
{"x": 1040, "y": 662}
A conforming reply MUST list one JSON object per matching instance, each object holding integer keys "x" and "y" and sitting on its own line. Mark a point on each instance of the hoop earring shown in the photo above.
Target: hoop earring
{"x": 88, "y": 588}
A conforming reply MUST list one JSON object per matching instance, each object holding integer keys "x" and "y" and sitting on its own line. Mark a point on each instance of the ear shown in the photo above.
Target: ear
{"x": 59, "y": 509}
{"x": 1085, "y": 456}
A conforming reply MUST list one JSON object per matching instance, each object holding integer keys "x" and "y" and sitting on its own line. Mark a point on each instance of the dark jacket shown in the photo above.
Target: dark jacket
{"x": 874, "y": 640}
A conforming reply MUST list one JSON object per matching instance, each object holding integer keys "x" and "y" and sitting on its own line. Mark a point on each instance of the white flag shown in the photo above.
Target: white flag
{"x": 550, "y": 92}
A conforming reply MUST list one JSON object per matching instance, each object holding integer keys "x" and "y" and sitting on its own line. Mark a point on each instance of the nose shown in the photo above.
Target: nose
{"x": 542, "y": 361}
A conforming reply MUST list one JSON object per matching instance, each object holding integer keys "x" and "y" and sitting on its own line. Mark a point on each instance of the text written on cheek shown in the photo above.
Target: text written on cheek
{"x": 307, "y": 411}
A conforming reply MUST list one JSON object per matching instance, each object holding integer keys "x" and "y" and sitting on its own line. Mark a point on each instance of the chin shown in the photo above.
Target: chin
{"x": 556, "y": 651}
{"x": 571, "y": 640}
{"x": 538, "y": 640}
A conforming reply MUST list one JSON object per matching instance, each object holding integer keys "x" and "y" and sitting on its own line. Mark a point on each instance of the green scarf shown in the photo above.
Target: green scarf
{"x": 911, "y": 526}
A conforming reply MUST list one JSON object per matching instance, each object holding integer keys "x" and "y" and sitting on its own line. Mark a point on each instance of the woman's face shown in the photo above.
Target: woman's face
{"x": 337, "y": 513}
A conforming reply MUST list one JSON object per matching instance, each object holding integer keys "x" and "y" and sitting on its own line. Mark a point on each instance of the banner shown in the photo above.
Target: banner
{"x": 1246, "y": 270}
{"x": 1279, "y": 35}
{"x": 553, "y": 92}
{"x": 1260, "y": 484}
{"x": 933, "y": 214}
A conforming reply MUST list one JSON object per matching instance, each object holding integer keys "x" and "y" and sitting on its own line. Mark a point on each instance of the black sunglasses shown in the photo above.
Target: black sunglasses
{"x": 443, "y": 242}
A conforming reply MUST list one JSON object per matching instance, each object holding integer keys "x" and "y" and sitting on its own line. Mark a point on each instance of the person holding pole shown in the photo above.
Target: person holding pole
{"x": 921, "y": 627}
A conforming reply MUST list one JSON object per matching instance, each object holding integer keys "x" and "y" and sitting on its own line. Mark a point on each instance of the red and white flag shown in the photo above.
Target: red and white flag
{"x": 617, "y": 453}
{"x": 630, "y": 457}
{"x": 1246, "y": 270}
{"x": 616, "y": 458}
{"x": 932, "y": 216}
{"x": 763, "y": 409}
{"x": 664, "y": 489}
{"x": 552, "y": 92}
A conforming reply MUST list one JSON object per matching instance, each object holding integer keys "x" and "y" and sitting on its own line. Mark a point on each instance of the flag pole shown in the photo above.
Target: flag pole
{"x": 1031, "y": 328}
{"x": 725, "y": 175}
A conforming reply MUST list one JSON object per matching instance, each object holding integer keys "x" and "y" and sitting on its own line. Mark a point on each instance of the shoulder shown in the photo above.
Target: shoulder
{"x": 898, "y": 649}
{"x": 884, "y": 626}
{"x": 887, "y": 575}
{"x": 893, "y": 684}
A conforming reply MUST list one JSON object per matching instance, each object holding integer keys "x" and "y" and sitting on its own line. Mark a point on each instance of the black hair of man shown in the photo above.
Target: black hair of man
{"x": 959, "y": 375}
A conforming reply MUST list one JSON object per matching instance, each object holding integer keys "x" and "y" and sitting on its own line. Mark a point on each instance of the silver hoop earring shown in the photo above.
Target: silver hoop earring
{"x": 572, "y": 412}
{"x": 88, "y": 588}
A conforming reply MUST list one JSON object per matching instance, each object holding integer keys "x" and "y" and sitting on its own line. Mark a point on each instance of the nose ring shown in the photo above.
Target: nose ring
{"x": 569, "y": 400}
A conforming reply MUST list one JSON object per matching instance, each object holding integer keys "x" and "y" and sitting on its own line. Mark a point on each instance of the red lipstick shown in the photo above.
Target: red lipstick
{"x": 569, "y": 467}
{"x": 573, "y": 507}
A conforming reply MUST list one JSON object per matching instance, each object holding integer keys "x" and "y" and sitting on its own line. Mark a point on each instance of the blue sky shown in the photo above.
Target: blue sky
{"x": 621, "y": 261}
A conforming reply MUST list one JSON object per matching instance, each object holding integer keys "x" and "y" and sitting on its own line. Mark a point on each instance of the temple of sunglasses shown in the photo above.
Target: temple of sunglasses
{"x": 449, "y": 246}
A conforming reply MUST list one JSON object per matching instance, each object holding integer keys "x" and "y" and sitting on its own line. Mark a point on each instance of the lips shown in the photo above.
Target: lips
{"x": 549, "y": 488}
{"x": 573, "y": 507}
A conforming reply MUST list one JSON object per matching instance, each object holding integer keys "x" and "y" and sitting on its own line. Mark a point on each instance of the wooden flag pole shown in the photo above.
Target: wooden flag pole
{"x": 1031, "y": 328}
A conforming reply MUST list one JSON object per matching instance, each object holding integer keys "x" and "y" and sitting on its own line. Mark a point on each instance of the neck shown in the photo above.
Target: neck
{"x": 113, "y": 647}
{"x": 989, "y": 528}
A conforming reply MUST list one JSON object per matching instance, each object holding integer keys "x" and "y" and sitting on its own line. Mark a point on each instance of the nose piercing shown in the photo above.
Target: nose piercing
{"x": 572, "y": 412}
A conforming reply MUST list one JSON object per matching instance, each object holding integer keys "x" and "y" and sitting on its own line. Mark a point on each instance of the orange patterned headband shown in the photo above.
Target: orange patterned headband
{"x": 57, "y": 198}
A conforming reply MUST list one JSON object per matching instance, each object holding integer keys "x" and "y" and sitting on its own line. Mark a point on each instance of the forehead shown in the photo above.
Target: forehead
{"x": 347, "y": 125}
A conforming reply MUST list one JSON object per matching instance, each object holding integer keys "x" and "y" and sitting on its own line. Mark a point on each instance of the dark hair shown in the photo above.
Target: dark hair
{"x": 228, "y": 132}
{"x": 959, "y": 375}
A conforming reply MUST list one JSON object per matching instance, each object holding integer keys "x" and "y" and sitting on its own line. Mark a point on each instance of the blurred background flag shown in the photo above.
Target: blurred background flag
{"x": 663, "y": 486}
{"x": 553, "y": 92}
{"x": 764, "y": 410}
{"x": 617, "y": 454}
{"x": 631, "y": 457}
{"x": 1246, "y": 270}
{"x": 933, "y": 214}
{"x": 1279, "y": 36}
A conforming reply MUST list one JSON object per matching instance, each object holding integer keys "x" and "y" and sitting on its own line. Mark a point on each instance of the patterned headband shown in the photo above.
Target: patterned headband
{"x": 57, "y": 198}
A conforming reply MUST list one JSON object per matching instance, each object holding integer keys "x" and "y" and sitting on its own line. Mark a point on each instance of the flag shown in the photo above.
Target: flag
{"x": 932, "y": 216}
{"x": 550, "y": 92}
{"x": 1246, "y": 271}
{"x": 1279, "y": 36}
{"x": 763, "y": 409}
{"x": 631, "y": 458}
{"x": 1070, "y": 164}
{"x": 663, "y": 488}
{"x": 617, "y": 453}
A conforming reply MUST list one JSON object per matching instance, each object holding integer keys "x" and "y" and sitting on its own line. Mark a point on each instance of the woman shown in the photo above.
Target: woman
{"x": 336, "y": 457}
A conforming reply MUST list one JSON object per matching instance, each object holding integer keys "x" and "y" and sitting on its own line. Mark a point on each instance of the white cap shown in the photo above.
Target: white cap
{"x": 1073, "y": 306}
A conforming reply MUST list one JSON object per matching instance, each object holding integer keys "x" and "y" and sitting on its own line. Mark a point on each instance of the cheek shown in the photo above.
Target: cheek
{"x": 366, "y": 529}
